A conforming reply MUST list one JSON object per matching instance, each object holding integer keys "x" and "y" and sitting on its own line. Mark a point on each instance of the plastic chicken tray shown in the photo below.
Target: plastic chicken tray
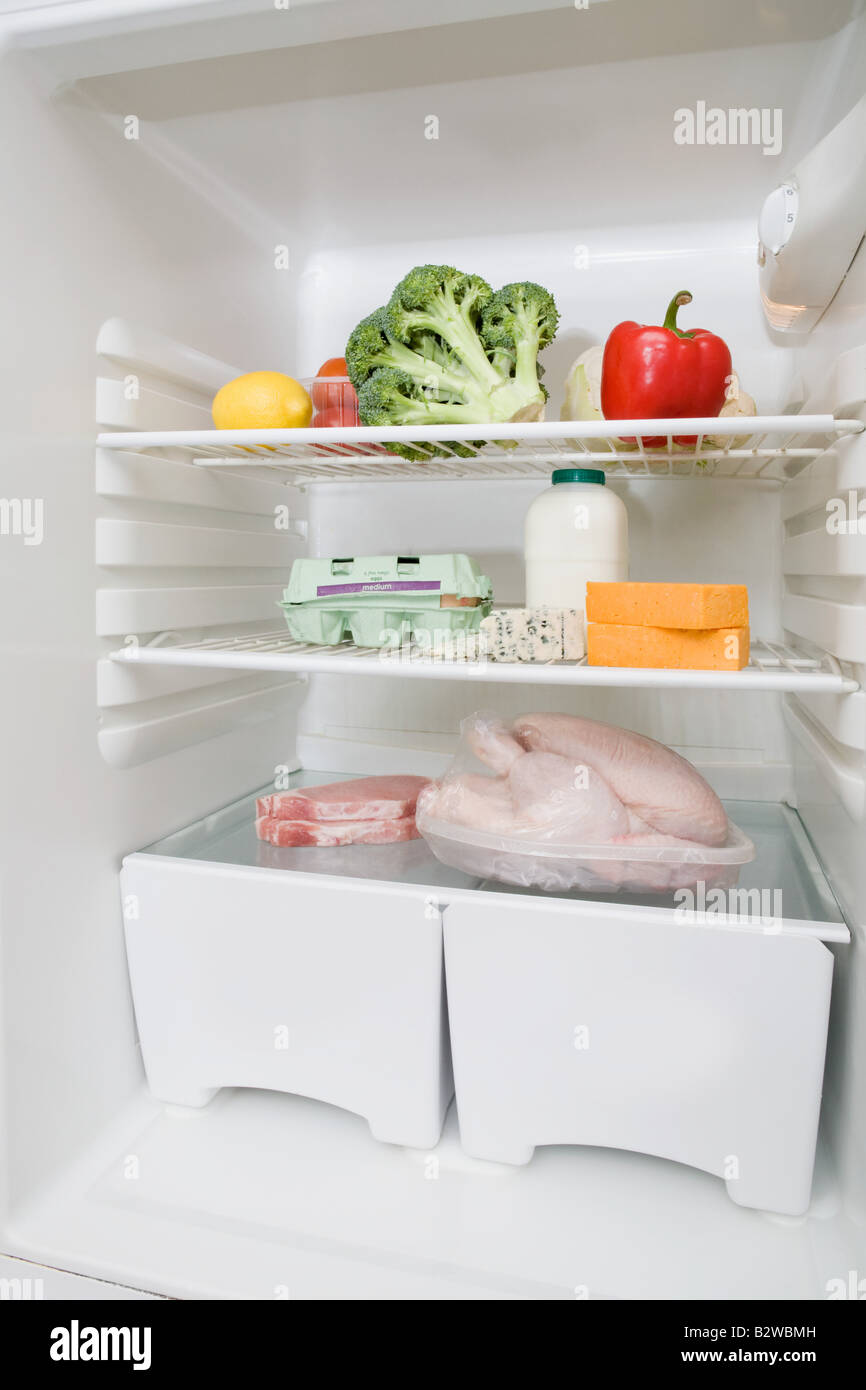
{"x": 565, "y": 803}
{"x": 597, "y": 868}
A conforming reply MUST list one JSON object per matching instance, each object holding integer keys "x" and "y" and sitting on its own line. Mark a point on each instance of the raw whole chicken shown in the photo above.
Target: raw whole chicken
{"x": 564, "y": 780}
{"x": 658, "y": 786}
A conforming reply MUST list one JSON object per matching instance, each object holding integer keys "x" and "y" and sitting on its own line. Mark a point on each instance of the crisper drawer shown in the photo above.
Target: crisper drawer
{"x": 694, "y": 1038}
{"x": 324, "y": 987}
{"x": 687, "y": 1026}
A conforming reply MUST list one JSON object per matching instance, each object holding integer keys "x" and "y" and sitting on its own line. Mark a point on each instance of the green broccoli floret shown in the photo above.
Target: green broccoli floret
{"x": 393, "y": 397}
{"x": 371, "y": 346}
{"x": 367, "y": 345}
{"x": 519, "y": 321}
{"x": 381, "y": 398}
{"x": 441, "y": 300}
{"x": 446, "y": 349}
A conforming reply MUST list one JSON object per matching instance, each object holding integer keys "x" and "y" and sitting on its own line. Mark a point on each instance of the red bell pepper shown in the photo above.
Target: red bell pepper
{"x": 652, "y": 372}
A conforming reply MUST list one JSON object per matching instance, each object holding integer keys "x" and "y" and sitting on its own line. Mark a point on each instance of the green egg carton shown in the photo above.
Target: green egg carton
{"x": 385, "y": 600}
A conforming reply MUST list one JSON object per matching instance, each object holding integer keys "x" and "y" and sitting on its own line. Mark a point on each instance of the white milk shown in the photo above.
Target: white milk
{"x": 575, "y": 530}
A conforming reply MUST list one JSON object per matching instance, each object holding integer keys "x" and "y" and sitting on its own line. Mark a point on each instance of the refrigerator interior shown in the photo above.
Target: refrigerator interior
{"x": 163, "y": 175}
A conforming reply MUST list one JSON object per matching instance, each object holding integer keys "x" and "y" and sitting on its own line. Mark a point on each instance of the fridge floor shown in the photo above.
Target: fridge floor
{"x": 269, "y": 1196}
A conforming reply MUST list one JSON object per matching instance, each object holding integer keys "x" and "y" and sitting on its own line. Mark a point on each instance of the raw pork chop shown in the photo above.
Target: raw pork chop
{"x": 361, "y": 798}
{"x": 656, "y": 784}
{"x": 347, "y": 832}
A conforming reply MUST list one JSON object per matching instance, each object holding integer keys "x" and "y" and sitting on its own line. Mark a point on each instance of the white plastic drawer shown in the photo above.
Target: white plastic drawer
{"x": 329, "y": 988}
{"x": 581, "y": 1023}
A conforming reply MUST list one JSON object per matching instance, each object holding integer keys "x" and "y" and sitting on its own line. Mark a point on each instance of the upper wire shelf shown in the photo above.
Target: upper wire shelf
{"x": 777, "y": 448}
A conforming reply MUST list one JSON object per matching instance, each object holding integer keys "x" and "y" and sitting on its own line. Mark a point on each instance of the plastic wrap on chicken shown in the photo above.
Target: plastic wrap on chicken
{"x": 559, "y": 802}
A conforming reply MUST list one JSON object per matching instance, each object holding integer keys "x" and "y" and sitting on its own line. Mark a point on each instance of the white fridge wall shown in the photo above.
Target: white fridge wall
{"x": 838, "y": 838}
{"x": 97, "y": 230}
{"x": 360, "y": 190}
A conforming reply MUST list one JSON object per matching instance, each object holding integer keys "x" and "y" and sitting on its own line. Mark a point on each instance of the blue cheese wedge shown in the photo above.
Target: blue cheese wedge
{"x": 501, "y": 630}
{"x": 573, "y": 634}
{"x": 524, "y": 634}
{"x": 541, "y": 639}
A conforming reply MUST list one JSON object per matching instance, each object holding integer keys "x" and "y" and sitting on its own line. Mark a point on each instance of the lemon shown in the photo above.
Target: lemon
{"x": 262, "y": 401}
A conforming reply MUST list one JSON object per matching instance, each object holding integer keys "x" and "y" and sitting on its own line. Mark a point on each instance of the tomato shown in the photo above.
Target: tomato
{"x": 334, "y": 415}
{"x": 335, "y": 366}
{"x": 333, "y": 418}
{"x": 331, "y": 393}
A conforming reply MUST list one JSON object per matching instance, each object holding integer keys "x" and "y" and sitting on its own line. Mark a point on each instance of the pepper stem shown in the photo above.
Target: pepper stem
{"x": 681, "y": 297}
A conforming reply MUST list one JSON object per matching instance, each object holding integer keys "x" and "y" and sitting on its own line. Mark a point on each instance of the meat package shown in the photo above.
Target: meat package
{"x": 360, "y": 798}
{"x": 339, "y": 832}
{"x": 559, "y": 802}
{"x": 360, "y": 811}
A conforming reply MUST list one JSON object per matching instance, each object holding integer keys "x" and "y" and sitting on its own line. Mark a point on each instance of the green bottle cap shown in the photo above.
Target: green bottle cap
{"x": 579, "y": 475}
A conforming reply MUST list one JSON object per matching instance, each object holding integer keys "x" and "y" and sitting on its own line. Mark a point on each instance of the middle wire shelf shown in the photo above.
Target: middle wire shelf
{"x": 772, "y": 665}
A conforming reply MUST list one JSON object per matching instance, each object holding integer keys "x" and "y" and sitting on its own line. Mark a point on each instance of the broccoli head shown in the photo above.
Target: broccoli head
{"x": 446, "y": 349}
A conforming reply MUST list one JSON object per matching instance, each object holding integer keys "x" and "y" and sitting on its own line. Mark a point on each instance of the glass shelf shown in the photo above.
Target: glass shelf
{"x": 785, "y": 863}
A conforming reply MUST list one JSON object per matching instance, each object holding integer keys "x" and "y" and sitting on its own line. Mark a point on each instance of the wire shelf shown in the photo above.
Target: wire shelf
{"x": 778, "y": 447}
{"x": 772, "y": 665}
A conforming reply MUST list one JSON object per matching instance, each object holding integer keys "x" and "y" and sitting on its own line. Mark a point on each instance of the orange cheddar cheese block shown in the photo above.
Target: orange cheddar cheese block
{"x": 668, "y": 605}
{"x": 690, "y": 649}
